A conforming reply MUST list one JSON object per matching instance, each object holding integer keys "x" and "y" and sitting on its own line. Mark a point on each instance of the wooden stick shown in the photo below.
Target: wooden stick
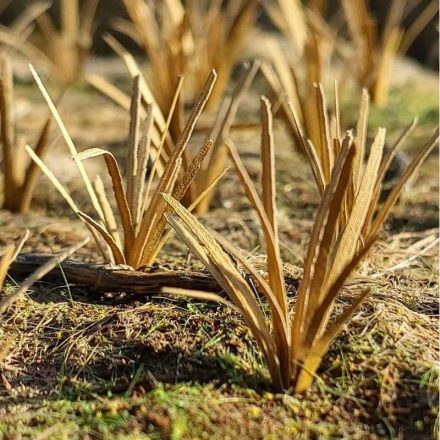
{"x": 102, "y": 278}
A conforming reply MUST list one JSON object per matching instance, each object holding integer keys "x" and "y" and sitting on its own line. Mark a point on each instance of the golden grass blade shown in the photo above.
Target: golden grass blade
{"x": 28, "y": 17}
{"x": 56, "y": 183}
{"x": 386, "y": 162}
{"x": 221, "y": 155}
{"x": 383, "y": 77}
{"x": 276, "y": 279}
{"x": 361, "y": 136}
{"x": 110, "y": 221}
{"x": 108, "y": 89}
{"x": 152, "y": 224}
{"x": 240, "y": 24}
{"x": 133, "y": 144}
{"x": 343, "y": 172}
{"x": 146, "y": 224}
{"x": 69, "y": 19}
{"x": 118, "y": 189}
{"x": 199, "y": 105}
{"x": 135, "y": 71}
{"x": 163, "y": 137}
{"x": 268, "y": 166}
{"x": 220, "y": 131}
{"x": 11, "y": 183}
{"x": 198, "y": 294}
{"x": 118, "y": 256}
{"x": 350, "y": 239}
{"x": 220, "y": 266}
{"x": 20, "y": 244}
{"x": 394, "y": 194}
{"x": 32, "y": 172}
{"x": 190, "y": 208}
{"x": 308, "y": 299}
{"x": 88, "y": 14}
{"x": 337, "y": 111}
{"x": 5, "y": 261}
{"x": 325, "y": 146}
{"x": 69, "y": 143}
{"x": 317, "y": 351}
{"x": 63, "y": 192}
{"x": 418, "y": 25}
{"x": 273, "y": 255}
{"x": 177, "y": 193}
{"x": 142, "y": 163}
{"x": 277, "y": 313}
{"x": 38, "y": 274}
{"x": 289, "y": 16}
{"x": 192, "y": 170}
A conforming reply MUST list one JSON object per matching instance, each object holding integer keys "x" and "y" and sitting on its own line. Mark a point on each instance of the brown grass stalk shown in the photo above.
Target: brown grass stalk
{"x": 311, "y": 44}
{"x": 19, "y": 174}
{"x": 68, "y": 46}
{"x": 293, "y": 342}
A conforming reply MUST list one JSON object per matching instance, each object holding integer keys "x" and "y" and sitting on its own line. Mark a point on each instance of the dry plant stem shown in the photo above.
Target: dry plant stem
{"x": 11, "y": 180}
{"x": 217, "y": 159}
{"x": 344, "y": 231}
{"x": 68, "y": 47}
{"x": 38, "y": 274}
{"x": 20, "y": 177}
{"x": 8, "y": 255}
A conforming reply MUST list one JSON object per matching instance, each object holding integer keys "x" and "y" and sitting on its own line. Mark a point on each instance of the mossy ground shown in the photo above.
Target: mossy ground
{"x": 78, "y": 364}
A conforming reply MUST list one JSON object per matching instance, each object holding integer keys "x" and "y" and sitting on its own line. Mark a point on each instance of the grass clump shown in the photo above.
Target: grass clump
{"x": 221, "y": 127}
{"x": 189, "y": 40}
{"x": 346, "y": 226}
{"x": 140, "y": 208}
{"x": 374, "y": 51}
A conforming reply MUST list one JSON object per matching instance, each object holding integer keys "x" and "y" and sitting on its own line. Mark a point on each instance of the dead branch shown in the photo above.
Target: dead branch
{"x": 103, "y": 278}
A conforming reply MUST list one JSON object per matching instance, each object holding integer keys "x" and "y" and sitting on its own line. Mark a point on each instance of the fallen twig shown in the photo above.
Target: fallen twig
{"x": 103, "y": 278}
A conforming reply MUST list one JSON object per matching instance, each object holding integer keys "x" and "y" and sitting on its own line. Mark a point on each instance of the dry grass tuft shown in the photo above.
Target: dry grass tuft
{"x": 19, "y": 175}
{"x": 374, "y": 51}
{"x": 68, "y": 47}
{"x": 172, "y": 128}
{"x": 61, "y": 51}
{"x": 140, "y": 207}
{"x": 189, "y": 41}
{"x": 312, "y": 42}
{"x": 346, "y": 226}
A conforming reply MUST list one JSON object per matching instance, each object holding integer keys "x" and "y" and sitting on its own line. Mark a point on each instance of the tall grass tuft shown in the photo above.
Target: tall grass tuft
{"x": 140, "y": 208}
{"x": 68, "y": 46}
{"x": 311, "y": 42}
{"x": 221, "y": 127}
{"x": 374, "y": 50}
{"x": 347, "y": 223}
{"x": 189, "y": 40}
{"x": 60, "y": 48}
